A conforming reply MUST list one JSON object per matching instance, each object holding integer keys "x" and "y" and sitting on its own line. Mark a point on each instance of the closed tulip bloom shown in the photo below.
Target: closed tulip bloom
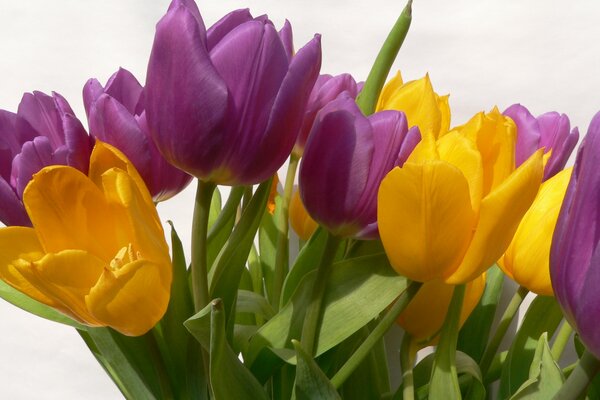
{"x": 226, "y": 105}
{"x": 575, "y": 254}
{"x": 550, "y": 131}
{"x": 423, "y": 107}
{"x": 346, "y": 157}
{"x": 43, "y": 132}
{"x": 301, "y": 222}
{"x": 96, "y": 251}
{"x": 116, "y": 115}
{"x": 451, "y": 210}
{"x": 326, "y": 89}
{"x": 425, "y": 314}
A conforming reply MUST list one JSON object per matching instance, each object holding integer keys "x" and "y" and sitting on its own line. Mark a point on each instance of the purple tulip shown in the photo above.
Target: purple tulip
{"x": 326, "y": 89}
{"x": 43, "y": 132}
{"x": 116, "y": 116}
{"x": 345, "y": 158}
{"x": 575, "y": 254}
{"x": 226, "y": 104}
{"x": 550, "y": 130}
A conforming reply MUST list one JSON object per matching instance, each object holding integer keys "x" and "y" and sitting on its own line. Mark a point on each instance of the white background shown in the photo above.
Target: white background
{"x": 543, "y": 54}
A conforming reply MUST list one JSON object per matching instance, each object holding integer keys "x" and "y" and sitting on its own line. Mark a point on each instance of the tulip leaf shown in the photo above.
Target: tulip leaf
{"x": 311, "y": 382}
{"x": 250, "y": 302}
{"x": 543, "y": 315}
{"x": 28, "y": 304}
{"x": 222, "y": 226}
{"x": 215, "y": 208}
{"x": 229, "y": 378}
{"x": 199, "y": 326}
{"x": 475, "y": 333}
{"x": 267, "y": 245}
{"x": 357, "y": 291}
{"x": 545, "y": 376}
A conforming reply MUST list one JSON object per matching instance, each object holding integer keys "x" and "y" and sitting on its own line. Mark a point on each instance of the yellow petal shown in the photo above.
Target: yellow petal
{"x": 444, "y": 107}
{"x": 528, "y": 255}
{"x": 388, "y": 91}
{"x": 425, "y": 219}
{"x": 131, "y": 299}
{"x": 499, "y": 216}
{"x": 301, "y": 222}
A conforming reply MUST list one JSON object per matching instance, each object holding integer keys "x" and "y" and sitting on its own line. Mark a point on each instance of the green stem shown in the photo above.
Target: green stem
{"x": 376, "y": 334}
{"x": 367, "y": 99}
{"x": 312, "y": 319}
{"x": 283, "y": 231}
{"x": 407, "y": 361}
{"x": 444, "y": 378}
{"x": 505, "y": 321}
{"x": 561, "y": 340}
{"x": 577, "y": 383}
{"x": 204, "y": 193}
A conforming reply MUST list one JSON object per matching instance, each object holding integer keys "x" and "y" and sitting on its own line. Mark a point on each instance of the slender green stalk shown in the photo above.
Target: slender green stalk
{"x": 505, "y": 321}
{"x": 407, "y": 361}
{"x": 312, "y": 320}
{"x": 577, "y": 383}
{"x": 230, "y": 208}
{"x": 204, "y": 193}
{"x": 376, "y": 334}
{"x": 561, "y": 340}
{"x": 283, "y": 230}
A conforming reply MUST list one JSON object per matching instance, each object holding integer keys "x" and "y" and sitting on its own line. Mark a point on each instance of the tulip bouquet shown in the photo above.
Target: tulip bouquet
{"x": 401, "y": 218}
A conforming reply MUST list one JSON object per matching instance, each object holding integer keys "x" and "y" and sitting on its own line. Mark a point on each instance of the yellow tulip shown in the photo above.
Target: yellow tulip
{"x": 422, "y": 106}
{"x": 425, "y": 314}
{"x": 527, "y": 259}
{"x": 301, "y": 222}
{"x": 96, "y": 251}
{"x": 452, "y": 209}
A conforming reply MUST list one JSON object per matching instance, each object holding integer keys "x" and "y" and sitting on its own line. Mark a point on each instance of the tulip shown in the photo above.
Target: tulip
{"x": 574, "y": 257}
{"x": 527, "y": 258}
{"x": 97, "y": 251}
{"x": 326, "y": 89}
{"x": 301, "y": 222}
{"x": 346, "y": 157}
{"x": 116, "y": 116}
{"x": 423, "y": 107}
{"x": 425, "y": 314}
{"x": 451, "y": 210}
{"x": 550, "y": 131}
{"x": 226, "y": 105}
{"x": 43, "y": 132}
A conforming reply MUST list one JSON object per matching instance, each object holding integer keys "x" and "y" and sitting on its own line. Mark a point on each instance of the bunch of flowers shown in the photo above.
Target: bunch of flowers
{"x": 402, "y": 218}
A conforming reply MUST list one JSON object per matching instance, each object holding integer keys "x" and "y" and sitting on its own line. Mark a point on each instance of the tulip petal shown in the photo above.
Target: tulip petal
{"x": 12, "y": 211}
{"x": 222, "y": 27}
{"x": 444, "y": 107}
{"x": 91, "y": 91}
{"x": 388, "y": 91}
{"x": 40, "y": 111}
{"x": 425, "y": 218}
{"x": 499, "y": 216}
{"x": 131, "y": 299}
{"x": 125, "y": 88}
{"x": 528, "y": 132}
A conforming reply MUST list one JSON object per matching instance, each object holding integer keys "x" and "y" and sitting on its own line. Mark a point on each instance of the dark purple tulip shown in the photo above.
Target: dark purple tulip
{"x": 43, "y": 132}
{"x": 326, "y": 89}
{"x": 345, "y": 158}
{"x": 226, "y": 104}
{"x": 575, "y": 254}
{"x": 550, "y": 130}
{"x": 116, "y": 116}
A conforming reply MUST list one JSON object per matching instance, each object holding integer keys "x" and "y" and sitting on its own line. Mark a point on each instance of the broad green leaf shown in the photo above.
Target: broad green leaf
{"x": 229, "y": 378}
{"x": 545, "y": 376}
{"x": 24, "y": 302}
{"x": 475, "y": 333}
{"x": 215, "y": 207}
{"x": 220, "y": 229}
{"x": 199, "y": 326}
{"x": 267, "y": 246}
{"x": 543, "y": 315}
{"x": 311, "y": 382}
{"x": 250, "y": 302}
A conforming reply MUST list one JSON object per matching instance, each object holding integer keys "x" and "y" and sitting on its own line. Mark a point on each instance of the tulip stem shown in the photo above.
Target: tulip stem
{"x": 283, "y": 225}
{"x": 312, "y": 319}
{"x": 376, "y": 334}
{"x": 505, "y": 321}
{"x": 577, "y": 383}
{"x": 204, "y": 194}
{"x": 407, "y": 361}
{"x": 561, "y": 340}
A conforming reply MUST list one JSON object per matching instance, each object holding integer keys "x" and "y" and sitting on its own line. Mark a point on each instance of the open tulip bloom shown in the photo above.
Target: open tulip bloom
{"x": 399, "y": 217}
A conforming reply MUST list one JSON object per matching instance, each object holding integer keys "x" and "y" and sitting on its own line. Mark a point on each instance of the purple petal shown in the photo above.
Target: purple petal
{"x": 222, "y": 27}
{"x": 40, "y": 111}
{"x": 413, "y": 137}
{"x": 9, "y": 145}
{"x": 12, "y": 211}
{"x": 587, "y": 307}
{"x": 556, "y": 136}
{"x": 192, "y": 7}
{"x": 78, "y": 142}
{"x": 528, "y": 132}
{"x": 287, "y": 38}
{"x": 91, "y": 91}
{"x": 125, "y": 88}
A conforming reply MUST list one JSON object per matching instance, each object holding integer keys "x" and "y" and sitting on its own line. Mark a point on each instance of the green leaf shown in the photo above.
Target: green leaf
{"x": 267, "y": 246}
{"x": 229, "y": 378}
{"x": 215, "y": 208}
{"x": 475, "y": 333}
{"x": 357, "y": 291}
{"x": 250, "y": 302}
{"x": 311, "y": 382}
{"x": 545, "y": 376}
{"x": 28, "y": 304}
{"x": 221, "y": 228}
{"x": 199, "y": 326}
{"x": 543, "y": 315}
